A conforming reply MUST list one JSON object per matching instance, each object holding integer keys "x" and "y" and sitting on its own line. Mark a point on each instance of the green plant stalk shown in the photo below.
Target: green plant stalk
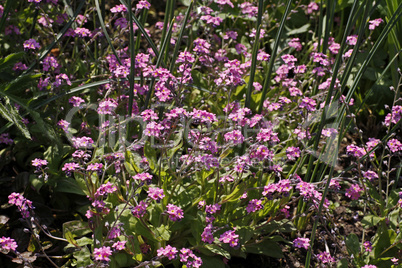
{"x": 58, "y": 37}
{"x": 143, "y": 19}
{"x": 394, "y": 43}
{"x": 352, "y": 58}
{"x": 105, "y": 31}
{"x": 158, "y": 63}
{"x": 382, "y": 37}
{"x": 320, "y": 26}
{"x": 313, "y": 230}
{"x": 267, "y": 81}
{"x": 7, "y": 9}
{"x": 328, "y": 23}
{"x": 254, "y": 54}
{"x": 330, "y": 90}
{"x": 171, "y": 15}
{"x": 166, "y": 20}
{"x": 35, "y": 18}
{"x": 132, "y": 67}
{"x": 183, "y": 27}
{"x": 141, "y": 28}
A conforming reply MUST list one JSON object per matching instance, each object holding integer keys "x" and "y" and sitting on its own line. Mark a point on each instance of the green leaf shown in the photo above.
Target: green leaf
{"x": 353, "y": 244}
{"x": 8, "y": 62}
{"x": 300, "y": 30}
{"x": 68, "y": 185}
{"x": 267, "y": 247}
{"x": 371, "y": 220}
{"x": 70, "y": 238}
{"x": 342, "y": 263}
{"x": 11, "y": 114}
{"x": 76, "y": 228}
{"x": 83, "y": 257}
{"x": 384, "y": 239}
{"x": 150, "y": 154}
{"x": 162, "y": 233}
{"x": 212, "y": 262}
{"x": 132, "y": 161}
{"x": 218, "y": 250}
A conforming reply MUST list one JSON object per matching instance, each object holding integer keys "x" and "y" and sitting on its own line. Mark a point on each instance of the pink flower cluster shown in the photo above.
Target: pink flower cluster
{"x": 175, "y": 213}
{"x": 24, "y": 205}
{"x": 230, "y": 237}
{"x": 301, "y": 243}
{"x": 7, "y": 244}
{"x": 353, "y": 192}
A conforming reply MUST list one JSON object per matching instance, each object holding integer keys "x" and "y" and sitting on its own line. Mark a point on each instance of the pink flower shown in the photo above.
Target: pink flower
{"x": 38, "y": 163}
{"x": 230, "y": 237}
{"x": 394, "y": 145}
{"x": 7, "y": 244}
{"x": 375, "y": 23}
{"x": 325, "y": 257}
{"x": 169, "y": 252}
{"x": 156, "y": 194}
{"x": 143, "y": 4}
{"x": 368, "y": 246}
{"x": 119, "y": 245}
{"x": 292, "y": 152}
{"x": 207, "y": 235}
{"x": 234, "y": 136}
{"x": 254, "y": 205}
{"x": 295, "y": 43}
{"x": 301, "y": 243}
{"x": 140, "y": 210}
{"x": 102, "y": 254}
{"x": 118, "y": 9}
{"x": 175, "y": 212}
{"x": 107, "y": 106}
{"x": 31, "y": 44}
{"x": 144, "y": 177}
{"x": 353, "y": 192}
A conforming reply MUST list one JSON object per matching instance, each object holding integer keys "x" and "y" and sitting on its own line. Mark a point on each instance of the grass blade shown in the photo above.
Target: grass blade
{"x": 99, "y": 11}
{"x": 256, "y": 45}
{"x": 141, "y": 28}
{"x": 58, "y": 37}
{"x": 158, "y": 63}
{"x": 267, "y": 82}
{"x": 183, "y": 27}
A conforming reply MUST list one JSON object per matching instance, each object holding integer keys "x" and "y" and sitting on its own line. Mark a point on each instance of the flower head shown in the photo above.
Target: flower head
{"x": 102, "y": 254}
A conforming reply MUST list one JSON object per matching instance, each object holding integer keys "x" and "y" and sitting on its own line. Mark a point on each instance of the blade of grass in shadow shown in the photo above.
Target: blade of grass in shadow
{"x": 396, "y": 16}
{"x": 394, "y": 43}
{"x": 141, "y": 28}
{"x": 341, "y": 117}
{"x": 158, "y": 63}
{"x": 132, "y": 65}
{"x": 142, "y": 19}
{"x": 320, "y": 25}
{"x": 335, "y": 70}
{"x": 58, "y": 37}
{"x": 351, "y": 61}
{"x": 34, "y": 19}
{"x": 6, "y": 11}
{"x": 267, "y": 81}
{"x": 328, "y": 23}
{"x": 171, "y": 16}
{"x": 166, "y": 19}
{"x": 336, "y": 67}
{"x": 69, "y": 92}
{"x": 182, "y": 29}
{"x": 254, "y": 54}
{"x": 98, "y": 10}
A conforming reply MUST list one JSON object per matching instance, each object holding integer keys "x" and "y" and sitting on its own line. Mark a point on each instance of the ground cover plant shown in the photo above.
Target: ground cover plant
{"x": 200, "y": 133}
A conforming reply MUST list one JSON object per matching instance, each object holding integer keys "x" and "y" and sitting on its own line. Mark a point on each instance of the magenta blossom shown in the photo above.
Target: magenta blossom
{"x": 102, "y": 254}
